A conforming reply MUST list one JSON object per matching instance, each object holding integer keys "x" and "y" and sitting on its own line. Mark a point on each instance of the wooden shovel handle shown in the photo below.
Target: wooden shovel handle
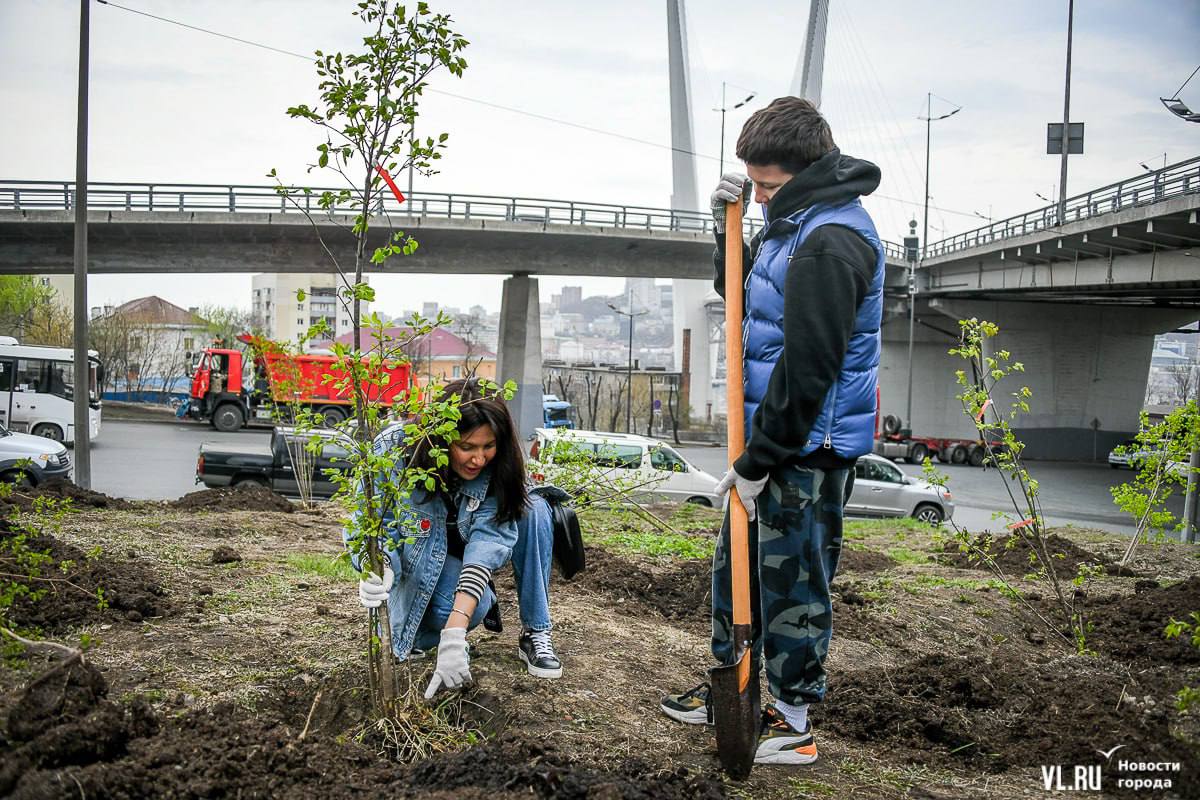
{"x": 739, "y": 546}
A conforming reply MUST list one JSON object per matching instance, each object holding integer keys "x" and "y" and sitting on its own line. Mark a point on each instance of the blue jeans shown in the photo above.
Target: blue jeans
{"x": 531, "y": 567}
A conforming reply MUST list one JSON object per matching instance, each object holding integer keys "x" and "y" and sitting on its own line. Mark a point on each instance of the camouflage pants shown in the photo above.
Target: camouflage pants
{"x": 794, "y": 548}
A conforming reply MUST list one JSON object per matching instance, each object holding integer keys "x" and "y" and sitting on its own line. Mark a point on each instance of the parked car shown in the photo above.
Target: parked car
{"x": 1131, "y": 454}
{"x": 661, "y": 474}
{"x": 32, "y": 460}
{"x": 271, "y": 465}
{"x": 882, "y": 490}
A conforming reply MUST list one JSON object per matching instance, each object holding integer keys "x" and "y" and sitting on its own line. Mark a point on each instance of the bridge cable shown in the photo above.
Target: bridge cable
{"x": 510, "y": 109}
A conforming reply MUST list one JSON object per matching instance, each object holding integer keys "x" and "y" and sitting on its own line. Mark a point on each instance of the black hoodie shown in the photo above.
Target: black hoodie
{"x": 829, "y": 275}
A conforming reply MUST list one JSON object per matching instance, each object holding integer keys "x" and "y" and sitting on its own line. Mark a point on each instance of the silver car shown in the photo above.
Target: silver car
{"x": 882, "y": 490}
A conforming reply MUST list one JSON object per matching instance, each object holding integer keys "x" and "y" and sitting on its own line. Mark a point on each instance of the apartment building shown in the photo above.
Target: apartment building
{"x": 283, "y": 317}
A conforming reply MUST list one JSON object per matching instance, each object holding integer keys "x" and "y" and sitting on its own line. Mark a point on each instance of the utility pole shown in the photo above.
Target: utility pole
{"x": 83, "y": 372}
{"x": 920, "y": 251}
{"x": 629, "y": 365}
{"x": 1062, "y": 170}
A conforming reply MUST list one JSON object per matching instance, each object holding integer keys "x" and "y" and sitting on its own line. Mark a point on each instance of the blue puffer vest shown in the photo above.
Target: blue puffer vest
{"x": 846, "y": 421}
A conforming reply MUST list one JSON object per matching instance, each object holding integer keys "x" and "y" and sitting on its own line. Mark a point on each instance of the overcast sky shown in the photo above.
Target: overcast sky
{"x": 173, "y": 105}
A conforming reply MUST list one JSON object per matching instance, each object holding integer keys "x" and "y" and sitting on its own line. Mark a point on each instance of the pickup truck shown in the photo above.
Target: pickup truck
{"x": 271, "y": 465}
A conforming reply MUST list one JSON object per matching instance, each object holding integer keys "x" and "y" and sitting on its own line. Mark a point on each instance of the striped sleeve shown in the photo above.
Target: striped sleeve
{"x": 473, "y": 580}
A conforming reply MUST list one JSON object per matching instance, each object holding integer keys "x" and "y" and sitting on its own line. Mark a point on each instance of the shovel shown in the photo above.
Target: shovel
{"x": 734, "y": 694}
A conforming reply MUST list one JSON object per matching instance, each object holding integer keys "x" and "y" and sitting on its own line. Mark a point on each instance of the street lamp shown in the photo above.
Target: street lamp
{"x": 629, "y": 366}
{"x": 723, "y": 109}
{"x": 929, "y": 119}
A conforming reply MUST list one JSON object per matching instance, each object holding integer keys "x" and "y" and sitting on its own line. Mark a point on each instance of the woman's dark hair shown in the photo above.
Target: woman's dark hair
{"x": 480, "y": 408}
{"x": 790, "y": 132}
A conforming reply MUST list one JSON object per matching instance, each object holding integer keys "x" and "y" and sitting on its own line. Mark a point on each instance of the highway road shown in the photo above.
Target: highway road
{"x": 157, "y": 460}
{"x": 1072, "y": 493}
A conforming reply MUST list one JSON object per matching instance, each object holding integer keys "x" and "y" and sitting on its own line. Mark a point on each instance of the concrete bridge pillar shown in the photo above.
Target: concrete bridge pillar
{"x": 520, "y": 356}
{"x": 1086, "y": 366}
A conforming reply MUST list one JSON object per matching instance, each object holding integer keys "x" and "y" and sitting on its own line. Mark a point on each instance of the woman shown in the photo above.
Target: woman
{"x": 479, "y": 517}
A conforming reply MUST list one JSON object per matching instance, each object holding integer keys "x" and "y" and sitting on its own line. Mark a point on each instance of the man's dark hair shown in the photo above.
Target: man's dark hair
{"x": 508, "y": 467}
{"x": 790, "y": 132}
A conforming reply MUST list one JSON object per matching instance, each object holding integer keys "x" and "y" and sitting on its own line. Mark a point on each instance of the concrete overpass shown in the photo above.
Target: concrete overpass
{"x": 145, "y": 228}
{"x": 1078, "y": 303}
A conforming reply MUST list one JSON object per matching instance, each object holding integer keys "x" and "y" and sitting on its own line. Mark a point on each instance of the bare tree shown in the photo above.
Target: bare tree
{"x": 468, "y": 329}
{"x": 1182, "y": 380}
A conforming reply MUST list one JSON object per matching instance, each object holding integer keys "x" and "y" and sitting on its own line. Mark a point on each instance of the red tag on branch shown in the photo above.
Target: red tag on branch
{"x": 387, "y": 178}
{"x": 1025, "y": 523}
{"x": 983, "y": 410}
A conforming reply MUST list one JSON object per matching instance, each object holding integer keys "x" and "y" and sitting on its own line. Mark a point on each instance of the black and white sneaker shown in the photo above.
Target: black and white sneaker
{"x": 690, "y": 707}
{"x": 538, "y": 654}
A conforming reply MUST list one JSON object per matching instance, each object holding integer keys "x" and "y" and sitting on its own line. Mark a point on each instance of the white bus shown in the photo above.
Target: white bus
{"x": 37, "y": 390}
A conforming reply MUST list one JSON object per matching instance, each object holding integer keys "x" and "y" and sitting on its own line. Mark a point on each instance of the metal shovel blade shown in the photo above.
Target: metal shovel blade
{"x": 736, "y": 714}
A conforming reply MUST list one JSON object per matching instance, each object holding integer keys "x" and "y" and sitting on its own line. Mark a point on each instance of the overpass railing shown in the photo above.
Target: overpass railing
{"x": 242, "y": 198}
{"x": 1151, "y": 187}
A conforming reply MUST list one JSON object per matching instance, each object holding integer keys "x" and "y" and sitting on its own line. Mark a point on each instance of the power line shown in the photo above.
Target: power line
{"x": 510, "y": 109}
{"x": 487, "y": 103}
{"x": 206, "y": 30}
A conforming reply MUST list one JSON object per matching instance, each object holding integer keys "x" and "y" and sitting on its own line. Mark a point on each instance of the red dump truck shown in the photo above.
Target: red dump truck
{"x": 231, "y": 387}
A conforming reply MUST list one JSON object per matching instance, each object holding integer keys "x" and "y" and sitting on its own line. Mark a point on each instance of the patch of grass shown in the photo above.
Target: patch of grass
{"x": 920, "y": 583}
{"x": 807, "y": 788}
{"x": 693, "y": 517}
{"x": 654, "y": 543}
{"x": 903, "y": 555}
{"x": 899, "y": 527}
{"x": 627, "y": 534}
{"x": 335, "y": 568}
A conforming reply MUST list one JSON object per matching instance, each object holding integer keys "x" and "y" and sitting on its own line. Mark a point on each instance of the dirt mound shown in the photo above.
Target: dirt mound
{"x": 78, "y": 587}
{"x": 61, "y": 489}
{"x": 681, "y": 591}
{"x": 1007, "y": 712}
{"x": 864, "y": 561}
{"x": 1131, "y": 628}
{"x": 64, "y": 720}
{"x": 1012, "y": 555}
{"x": 243, "y": 497}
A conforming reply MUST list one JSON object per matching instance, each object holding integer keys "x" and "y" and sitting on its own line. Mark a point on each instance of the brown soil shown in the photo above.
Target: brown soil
{"x": 1012, "y": 556}
{"x": 73, "y": 582}
{"x": 62, "y": 725}
{"x": 244, "y": 497}
{"x": 60, "y": 489}
{"x": 1131, "y": 628}
{"x": 864, "y": 561}
{"x": 679, "y": 591}
{"x": 1005, "y": 712}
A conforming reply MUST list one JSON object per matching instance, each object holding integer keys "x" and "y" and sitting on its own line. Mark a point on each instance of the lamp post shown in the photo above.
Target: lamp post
{"x": 629, "y": 365}
{"x": 928, "y": 119}
{"x": 723, "y": 109}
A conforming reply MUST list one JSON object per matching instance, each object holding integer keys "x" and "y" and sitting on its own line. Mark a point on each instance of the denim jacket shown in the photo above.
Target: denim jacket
{"x": 418, "y": 564}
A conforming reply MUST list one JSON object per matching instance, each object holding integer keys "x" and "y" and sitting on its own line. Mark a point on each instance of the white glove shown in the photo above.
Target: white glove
{"x": 747, "y": 490}
{"x": 373, "y": 590}
{"x": 453, "y": 666}
{"x": 732, "y": 186}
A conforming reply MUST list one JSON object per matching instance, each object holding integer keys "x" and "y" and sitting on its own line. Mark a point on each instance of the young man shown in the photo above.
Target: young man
{"x": 814, "y": 298}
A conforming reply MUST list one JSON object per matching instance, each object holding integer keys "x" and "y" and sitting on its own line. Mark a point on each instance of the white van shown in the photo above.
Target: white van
{"x": 661, "y": 474}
